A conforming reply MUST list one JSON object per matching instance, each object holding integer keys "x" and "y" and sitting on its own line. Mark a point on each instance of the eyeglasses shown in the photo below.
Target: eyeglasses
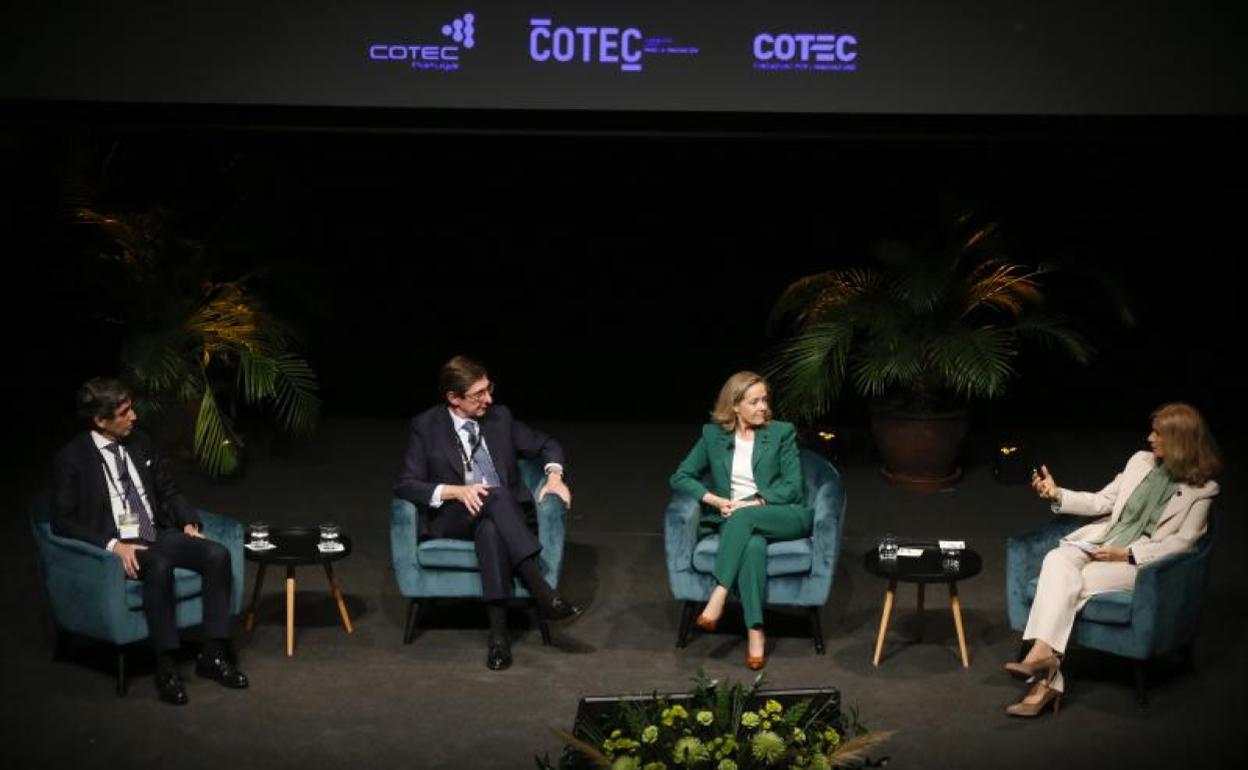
{"x": 480, "y": 394}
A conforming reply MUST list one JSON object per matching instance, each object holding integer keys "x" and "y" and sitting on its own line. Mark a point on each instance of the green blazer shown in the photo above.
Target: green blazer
{"x": 777, "y": 469}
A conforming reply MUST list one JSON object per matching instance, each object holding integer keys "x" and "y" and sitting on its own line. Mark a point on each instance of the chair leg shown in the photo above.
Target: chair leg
{"x": 122, "y": 684}
{"x": 542, "y": 626}
{"x": 1141, "y": 693}
{"x": 686, "y": 623}
{"x": 816, "y": 629}
{"x": 409, "y": 628}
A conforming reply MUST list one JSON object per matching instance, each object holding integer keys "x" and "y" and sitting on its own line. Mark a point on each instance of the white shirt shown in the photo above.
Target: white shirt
{"x": 435, "y": 500}
{"x": 743, "y": 485}
{"x": 116, "y": 493}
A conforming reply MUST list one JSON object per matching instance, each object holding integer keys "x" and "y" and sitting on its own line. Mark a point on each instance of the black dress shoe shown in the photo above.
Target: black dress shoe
{"x": 220, "y": 670}
{"x": 499, "y": 655}
{"x": 562, "y": 609}
{"x": 170, "y": 689}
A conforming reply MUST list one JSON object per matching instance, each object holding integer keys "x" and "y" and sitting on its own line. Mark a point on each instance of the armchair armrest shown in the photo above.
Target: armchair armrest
{"x": 680, "y": 533}
{"x": 828, "y": 503}
{"x": 229, "y": 533}
{"x": 1166, "y": 601}
{"x": 403, "y": 539}
{"x": 1027, "y": 549}
{"x": 1024, "y": 554}
{"x": 552, "y": 516}
{"x": 86, "y": 585}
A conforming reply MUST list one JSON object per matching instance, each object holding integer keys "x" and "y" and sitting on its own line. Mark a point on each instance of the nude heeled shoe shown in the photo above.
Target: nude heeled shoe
{"x": 1044, "y": 669}
{"x": 1024, "y": 709}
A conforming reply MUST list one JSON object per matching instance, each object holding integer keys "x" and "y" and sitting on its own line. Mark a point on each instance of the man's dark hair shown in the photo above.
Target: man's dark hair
{"x": 100, "y": 397}
{"x": 458, "y": 375}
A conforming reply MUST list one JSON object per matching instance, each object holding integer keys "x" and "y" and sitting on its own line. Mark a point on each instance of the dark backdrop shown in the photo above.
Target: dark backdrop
{"x": 622, "y": 275}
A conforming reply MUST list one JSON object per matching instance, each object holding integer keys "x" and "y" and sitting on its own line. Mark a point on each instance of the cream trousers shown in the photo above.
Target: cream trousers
{"x": 1068, "y": 578}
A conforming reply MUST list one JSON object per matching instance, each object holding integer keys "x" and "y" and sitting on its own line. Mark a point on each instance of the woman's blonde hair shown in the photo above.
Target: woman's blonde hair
{"x": 1189, "y": 448}
{"x": 731, "y": 394}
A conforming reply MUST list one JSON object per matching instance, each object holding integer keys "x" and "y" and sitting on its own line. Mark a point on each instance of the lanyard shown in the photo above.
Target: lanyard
{"x": 468, "y": 456}
{"x": 108, "y": 473}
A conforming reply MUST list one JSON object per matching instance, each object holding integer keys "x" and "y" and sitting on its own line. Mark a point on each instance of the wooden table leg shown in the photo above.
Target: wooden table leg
{"x": 888, "y": 608}
{"x": 957, "y": 621}
{"x": 250, "y": 621}
{"x": 290, "y": 611}
{"x": 335, "y": 589}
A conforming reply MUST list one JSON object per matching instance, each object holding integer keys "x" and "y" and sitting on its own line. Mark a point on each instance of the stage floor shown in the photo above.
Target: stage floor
{"x": 366, "y": 700}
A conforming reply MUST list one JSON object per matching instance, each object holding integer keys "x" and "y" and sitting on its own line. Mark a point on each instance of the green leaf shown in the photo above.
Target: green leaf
{"x": 216, "y": 447}
{"x": 808, "y": 371}
{"x": 295, "y": 395}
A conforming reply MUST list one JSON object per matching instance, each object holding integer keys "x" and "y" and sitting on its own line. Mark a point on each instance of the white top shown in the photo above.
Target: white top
{"x": 743, "y": 485}
{"x": 116, "y": 495}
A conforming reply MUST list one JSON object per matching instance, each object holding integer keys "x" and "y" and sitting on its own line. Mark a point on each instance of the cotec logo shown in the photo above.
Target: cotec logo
{"x": 604, "y": 45}
{"x": 429, "y": 56}
{"x": 802, "y": 50}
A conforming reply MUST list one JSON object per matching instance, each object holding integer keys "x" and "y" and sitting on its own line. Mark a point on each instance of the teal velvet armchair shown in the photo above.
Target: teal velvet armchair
{"x": 799, "y": 572}
{"x": 447, "y": 569}
{"x": 1159, "y": 616}
{"x": 89, "y": 595}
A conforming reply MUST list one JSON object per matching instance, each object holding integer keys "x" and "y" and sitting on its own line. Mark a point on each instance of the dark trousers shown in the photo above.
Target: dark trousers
{"x": 178, "y": 549}
{"x": 500, "y": 534}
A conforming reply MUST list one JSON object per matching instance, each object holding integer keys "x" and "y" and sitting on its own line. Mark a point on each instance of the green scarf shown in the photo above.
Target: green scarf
{"x": 1143, "y": 509}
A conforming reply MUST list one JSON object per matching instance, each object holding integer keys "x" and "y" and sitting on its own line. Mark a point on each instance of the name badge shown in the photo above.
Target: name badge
{"x": 129, "y": 531}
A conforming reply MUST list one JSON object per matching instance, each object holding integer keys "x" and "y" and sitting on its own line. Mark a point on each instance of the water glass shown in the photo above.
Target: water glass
{"x": 329, "y": 533}
{"x": 888, "y": 547}
{"x": 259, "y": 533}
{"x": 950, "y": 559}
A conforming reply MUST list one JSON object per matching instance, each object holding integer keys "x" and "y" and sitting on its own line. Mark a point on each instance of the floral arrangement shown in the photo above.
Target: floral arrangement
{"x": 720, "y": 726}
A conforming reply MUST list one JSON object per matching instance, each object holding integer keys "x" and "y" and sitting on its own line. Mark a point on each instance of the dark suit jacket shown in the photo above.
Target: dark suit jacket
{"x": 433, "y": 456}
{"x": 776, "y": 463}
{"x": 80, "y": 499}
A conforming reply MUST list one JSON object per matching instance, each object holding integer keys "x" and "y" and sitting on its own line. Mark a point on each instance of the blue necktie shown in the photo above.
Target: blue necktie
{"x": 480, "y": 457}
{"x": 134, "y": 501}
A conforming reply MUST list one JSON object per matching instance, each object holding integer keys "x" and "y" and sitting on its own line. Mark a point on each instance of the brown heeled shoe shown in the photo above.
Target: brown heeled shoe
{"x": 1024, "y": 709}
{"x": 753, "y": 663}
{"x": 706, "y": 624}
{"x": 1044, "y": 669}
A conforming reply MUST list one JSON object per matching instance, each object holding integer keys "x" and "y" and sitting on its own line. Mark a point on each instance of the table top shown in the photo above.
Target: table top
{"x": 927, "y": 568}
{"x": 297, "y": 545}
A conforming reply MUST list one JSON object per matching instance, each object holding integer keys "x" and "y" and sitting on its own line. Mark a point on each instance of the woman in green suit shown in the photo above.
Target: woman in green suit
{"x": 755, "y": 495}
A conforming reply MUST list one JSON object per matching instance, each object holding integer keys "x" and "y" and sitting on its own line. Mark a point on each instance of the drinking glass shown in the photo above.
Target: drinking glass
{"x": 259, "y": 533}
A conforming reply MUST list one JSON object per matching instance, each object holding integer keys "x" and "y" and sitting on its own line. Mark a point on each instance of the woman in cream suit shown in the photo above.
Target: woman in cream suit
{"x": 1157, "y": 506}
{"x": 755, "y": 496}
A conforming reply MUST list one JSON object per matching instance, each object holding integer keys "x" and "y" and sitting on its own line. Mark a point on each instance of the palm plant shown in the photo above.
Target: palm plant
{"x": 932, "y": 325}
{"x": 193, "y": 340}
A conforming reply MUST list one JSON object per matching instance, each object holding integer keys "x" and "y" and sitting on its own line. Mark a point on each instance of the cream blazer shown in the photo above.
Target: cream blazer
{"x": 1182, "y": 523}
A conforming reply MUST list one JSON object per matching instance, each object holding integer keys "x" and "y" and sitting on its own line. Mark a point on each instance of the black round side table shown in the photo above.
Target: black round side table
{"x": 295, "y": 547}
{"x": 921, "y": 570}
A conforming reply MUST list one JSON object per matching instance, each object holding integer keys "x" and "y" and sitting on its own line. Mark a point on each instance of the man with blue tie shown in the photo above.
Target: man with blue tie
{"x": 110, "y": 489}
{"x": 460, "y": 472}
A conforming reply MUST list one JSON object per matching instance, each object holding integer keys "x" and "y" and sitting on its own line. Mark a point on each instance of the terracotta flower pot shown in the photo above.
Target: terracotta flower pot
{"x": 920, "y": 451}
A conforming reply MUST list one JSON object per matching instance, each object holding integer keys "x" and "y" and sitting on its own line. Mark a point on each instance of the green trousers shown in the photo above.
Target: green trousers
{"x": 742, "y": 555}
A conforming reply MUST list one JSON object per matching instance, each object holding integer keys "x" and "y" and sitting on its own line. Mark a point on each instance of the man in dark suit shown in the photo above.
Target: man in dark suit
{"x": 111, "y": 490}
{"x": 460, "y": 472}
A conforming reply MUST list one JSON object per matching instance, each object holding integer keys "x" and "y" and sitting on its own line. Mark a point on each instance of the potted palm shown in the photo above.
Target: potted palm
{"x": 920, "y": 333}
{"x": 196, "y": 348}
